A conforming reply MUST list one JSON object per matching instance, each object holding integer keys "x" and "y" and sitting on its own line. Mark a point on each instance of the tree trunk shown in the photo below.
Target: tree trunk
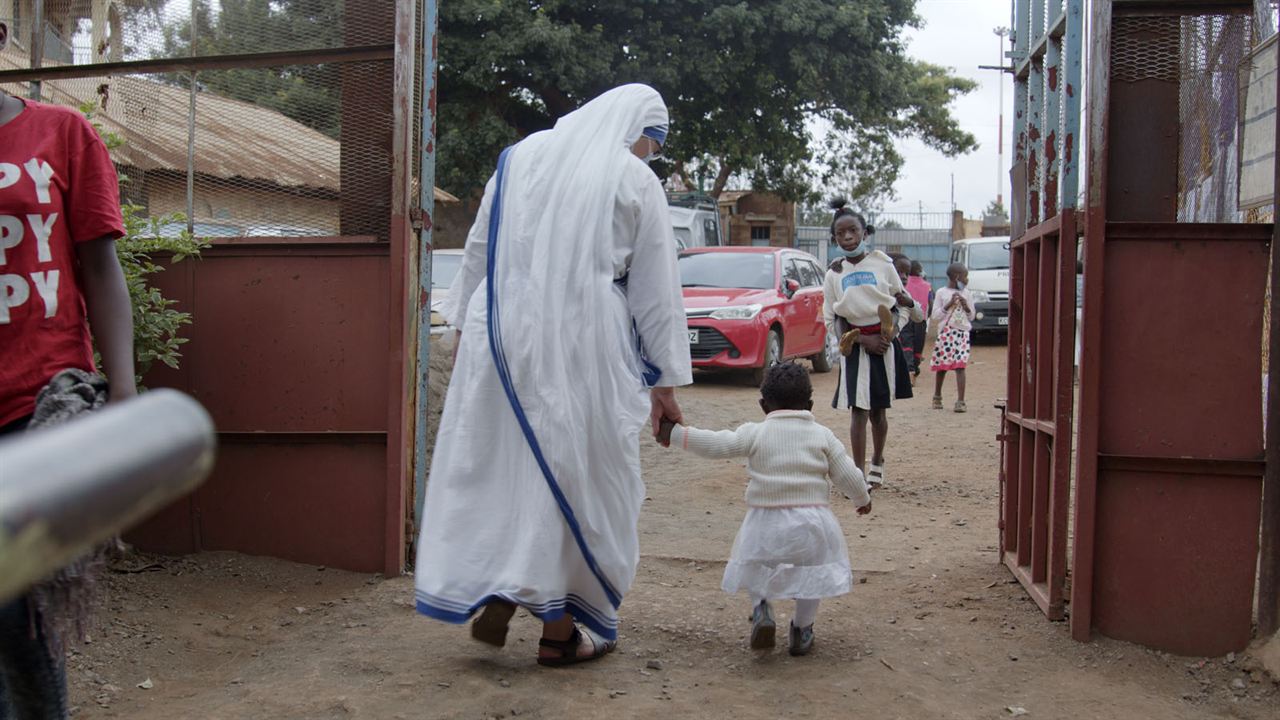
{"x": 722, "y": 179}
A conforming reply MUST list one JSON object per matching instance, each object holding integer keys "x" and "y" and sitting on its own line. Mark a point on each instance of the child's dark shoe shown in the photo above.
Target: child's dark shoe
{"x": 801, "y": 640}
{"x": 763, "y": 628}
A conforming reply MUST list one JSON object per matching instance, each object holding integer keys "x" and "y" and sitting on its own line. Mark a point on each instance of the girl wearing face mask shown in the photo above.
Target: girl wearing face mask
{"x": 863, "y": 291}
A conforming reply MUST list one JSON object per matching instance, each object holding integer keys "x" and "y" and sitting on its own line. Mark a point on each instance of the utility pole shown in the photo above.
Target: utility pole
{"x": 1001, "y": 33}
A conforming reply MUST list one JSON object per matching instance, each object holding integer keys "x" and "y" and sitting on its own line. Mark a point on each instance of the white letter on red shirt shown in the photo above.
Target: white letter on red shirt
{"x": 47, "y": 285}
{"x": 13, "y": 292}
{"x": 43, "y": 228}
{"x": 11, "y": 231}
{"x": 41, "y": 173}
{"x": 10, "y": 174}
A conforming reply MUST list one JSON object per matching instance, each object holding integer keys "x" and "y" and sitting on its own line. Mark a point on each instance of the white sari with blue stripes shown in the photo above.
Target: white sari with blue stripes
{"x": 569, "y": 305}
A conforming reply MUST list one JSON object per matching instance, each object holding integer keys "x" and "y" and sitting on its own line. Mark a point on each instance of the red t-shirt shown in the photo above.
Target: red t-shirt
{"x": 57, "y": 188}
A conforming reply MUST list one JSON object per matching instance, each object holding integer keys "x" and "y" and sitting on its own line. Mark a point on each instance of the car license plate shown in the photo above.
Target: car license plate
{"x": 1003, "y": 320}
{"x": 693, "y": 337}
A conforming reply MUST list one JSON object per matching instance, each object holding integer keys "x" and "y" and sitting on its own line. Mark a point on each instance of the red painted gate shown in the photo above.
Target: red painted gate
{"x": 1037, "y": 427}
{"x": 1171, "y": 442}
{"x": 1169, "y": 458}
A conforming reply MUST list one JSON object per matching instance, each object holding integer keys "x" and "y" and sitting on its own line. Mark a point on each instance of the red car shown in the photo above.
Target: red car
{"x": 750, "y": 308}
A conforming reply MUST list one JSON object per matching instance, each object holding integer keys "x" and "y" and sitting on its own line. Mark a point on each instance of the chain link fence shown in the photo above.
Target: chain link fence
{"x": 1213, "y": 48}
{"x": 923, "y": 236}
{"x": 250, "y": 118}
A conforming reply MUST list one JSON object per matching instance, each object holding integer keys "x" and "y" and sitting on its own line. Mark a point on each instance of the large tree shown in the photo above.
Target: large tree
{"x": 784, "y": 93}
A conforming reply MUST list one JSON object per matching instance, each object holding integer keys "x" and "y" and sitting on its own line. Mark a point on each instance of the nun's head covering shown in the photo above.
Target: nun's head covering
{"x": 619, "y": 117}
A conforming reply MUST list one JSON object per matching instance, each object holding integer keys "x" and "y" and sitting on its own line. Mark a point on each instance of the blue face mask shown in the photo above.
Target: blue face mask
{"x": 960, "y": 285}
{"x": 856, "y": 252}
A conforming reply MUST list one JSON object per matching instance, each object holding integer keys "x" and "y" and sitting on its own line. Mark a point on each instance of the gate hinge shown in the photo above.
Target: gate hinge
{"x": 415, "y": 218}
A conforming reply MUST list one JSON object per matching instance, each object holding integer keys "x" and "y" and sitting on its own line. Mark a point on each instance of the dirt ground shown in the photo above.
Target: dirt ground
{"x": 936, "y": 628}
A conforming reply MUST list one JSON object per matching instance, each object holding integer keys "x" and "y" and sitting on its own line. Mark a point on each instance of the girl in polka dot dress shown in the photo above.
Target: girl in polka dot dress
{"x": 953, "y": 315}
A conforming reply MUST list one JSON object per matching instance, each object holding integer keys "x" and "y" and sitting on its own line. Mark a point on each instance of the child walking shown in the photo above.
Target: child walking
{"x": 863, "y": 292}
{"x": 790, "y": 545}
{"x": 953, "y": 312}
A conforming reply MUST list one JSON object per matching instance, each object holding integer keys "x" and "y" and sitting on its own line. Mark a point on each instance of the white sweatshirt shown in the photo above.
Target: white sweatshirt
{"x": 789, "y": 458}
{"x": 960, "y": 318}
{"x": 858, "y": 291}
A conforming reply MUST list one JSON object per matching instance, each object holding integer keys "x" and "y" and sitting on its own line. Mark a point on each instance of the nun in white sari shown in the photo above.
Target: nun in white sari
{"x": 572, "y": 332}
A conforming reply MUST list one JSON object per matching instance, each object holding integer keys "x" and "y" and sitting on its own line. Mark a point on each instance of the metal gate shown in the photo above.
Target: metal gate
{"x": 1036, "y": 433}
{"x": 294, "y": 156}
{"x": 1170, "y": 459}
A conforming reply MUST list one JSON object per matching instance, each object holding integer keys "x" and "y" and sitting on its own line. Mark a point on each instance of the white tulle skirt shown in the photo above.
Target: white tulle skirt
{"x": 789, "y": 553}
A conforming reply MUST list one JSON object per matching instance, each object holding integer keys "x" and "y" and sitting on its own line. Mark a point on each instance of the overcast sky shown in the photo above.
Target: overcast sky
{"x": 958, "y": 34}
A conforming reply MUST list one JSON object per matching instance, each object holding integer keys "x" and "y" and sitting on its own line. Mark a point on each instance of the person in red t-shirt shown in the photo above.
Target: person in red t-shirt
{"x": 59, "y": 277}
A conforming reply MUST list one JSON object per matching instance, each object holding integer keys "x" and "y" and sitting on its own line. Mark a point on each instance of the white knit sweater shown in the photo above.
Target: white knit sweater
{"x": 789, "y": 458}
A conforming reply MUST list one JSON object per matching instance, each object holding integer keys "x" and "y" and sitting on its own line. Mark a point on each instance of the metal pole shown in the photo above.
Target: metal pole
{"x": 426, "y": 201}
{"x": 68, "y": 488}
{"x": 37, "y": 48}
{"x": 191, "y": 129}
{"x": 1269, "y": 547}
{"x": 1001, "y": 33}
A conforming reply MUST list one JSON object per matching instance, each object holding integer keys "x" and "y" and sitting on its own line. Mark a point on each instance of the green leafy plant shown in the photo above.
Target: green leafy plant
{"x": 156, "y": 323}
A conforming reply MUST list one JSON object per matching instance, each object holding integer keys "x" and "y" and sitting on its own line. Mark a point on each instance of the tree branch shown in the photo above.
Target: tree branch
{"x": 722, "y": 179}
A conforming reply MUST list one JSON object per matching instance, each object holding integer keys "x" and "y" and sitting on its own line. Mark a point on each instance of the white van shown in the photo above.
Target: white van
{"x": 695, "y": 220}
{"x": 988, "y": 261}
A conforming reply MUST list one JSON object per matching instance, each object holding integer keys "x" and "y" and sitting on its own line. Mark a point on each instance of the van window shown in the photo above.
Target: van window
{"x": 710, "y": 232}
{"x": 988, "y": 256}
{"x": 683, "y": 237}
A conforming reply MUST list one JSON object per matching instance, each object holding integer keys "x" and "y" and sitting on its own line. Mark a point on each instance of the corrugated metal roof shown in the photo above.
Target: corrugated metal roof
{"x": 234, "y": 139}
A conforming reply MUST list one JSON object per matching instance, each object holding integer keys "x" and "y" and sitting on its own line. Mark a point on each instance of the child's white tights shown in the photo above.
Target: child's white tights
{"x": 806, "y": 611}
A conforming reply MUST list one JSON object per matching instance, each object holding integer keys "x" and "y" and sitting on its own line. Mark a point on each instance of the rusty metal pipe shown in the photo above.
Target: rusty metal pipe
{"x": 66, "y": 489}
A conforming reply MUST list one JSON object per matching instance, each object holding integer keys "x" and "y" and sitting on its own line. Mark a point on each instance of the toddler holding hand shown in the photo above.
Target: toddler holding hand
{"x": 790, "y": 545}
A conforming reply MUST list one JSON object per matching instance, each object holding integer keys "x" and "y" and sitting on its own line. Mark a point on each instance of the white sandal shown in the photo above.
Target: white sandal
{"x": 875, "y": 475}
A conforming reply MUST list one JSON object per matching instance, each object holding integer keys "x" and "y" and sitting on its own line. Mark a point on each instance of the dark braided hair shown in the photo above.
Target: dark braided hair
{"x": 786, "y": 386}
{"x": 841, "y": 207}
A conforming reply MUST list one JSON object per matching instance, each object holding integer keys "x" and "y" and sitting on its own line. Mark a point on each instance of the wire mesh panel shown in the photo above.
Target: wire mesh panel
{"x": 298, "y": 145}
{"x": 1211, "y": 50}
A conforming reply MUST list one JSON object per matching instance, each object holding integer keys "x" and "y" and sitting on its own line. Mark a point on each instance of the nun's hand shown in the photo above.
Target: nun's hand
{"x": 664, "y": 407}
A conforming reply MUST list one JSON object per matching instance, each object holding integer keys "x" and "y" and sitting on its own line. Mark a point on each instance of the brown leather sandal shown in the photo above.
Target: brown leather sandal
{"x": 888, "y": 327}
{"x": 491, "y": 627}
{"x": 568, "y": 649}
{"x": 849, "y": 342}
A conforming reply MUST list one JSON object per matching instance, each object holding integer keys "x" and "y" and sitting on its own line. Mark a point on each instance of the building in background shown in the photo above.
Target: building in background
{"x": 757, "y": 218}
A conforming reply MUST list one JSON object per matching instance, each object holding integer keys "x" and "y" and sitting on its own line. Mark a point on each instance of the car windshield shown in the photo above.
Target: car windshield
{"x": 444, "y": 268}
{"x": 727, "y": 270}
{"x": 989, "y": 256}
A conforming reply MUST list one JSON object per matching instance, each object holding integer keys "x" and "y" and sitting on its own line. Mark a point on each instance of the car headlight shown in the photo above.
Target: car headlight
{"x": 742, "y": 312}
{"x": 980, "y": 296}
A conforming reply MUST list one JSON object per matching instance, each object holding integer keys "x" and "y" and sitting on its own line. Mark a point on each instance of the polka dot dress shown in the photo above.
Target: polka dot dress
{"x": 951, "y": 351}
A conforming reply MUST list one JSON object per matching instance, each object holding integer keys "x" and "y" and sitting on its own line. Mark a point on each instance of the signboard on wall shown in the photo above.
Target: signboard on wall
{"x": 1258, "y": 127}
